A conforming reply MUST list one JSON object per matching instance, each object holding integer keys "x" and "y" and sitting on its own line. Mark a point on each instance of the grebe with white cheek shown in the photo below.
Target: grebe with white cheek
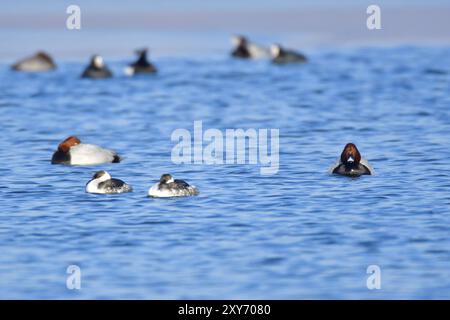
{"x": 102, "y": 183}
{"x": 168, "y": 187}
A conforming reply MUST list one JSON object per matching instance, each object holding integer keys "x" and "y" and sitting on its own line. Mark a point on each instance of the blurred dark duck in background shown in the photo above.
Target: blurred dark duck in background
{"x": 142, "y": 65}
{"x": 96, "y": 69}
{"x": 281, "y": 55}
{"x": 245, "y": 49}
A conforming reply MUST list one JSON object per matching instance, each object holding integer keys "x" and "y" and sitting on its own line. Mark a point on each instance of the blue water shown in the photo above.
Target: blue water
{"x": 301, "y": 233}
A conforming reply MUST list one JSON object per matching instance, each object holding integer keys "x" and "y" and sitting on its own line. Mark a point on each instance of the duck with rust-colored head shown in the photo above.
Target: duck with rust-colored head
{"x": 72, "y": 152}
{"x": 351, "y": 163}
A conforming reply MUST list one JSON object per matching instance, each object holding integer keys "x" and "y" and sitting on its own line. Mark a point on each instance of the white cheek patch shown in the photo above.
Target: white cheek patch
{"x": 98, "y": 61}
{"x": 275, "y": 50}
{"x": 105, "y": 177}
{"x": 235, "y": 41}
{"x": 128, "y": 71}
{"x": 170, "y": 181}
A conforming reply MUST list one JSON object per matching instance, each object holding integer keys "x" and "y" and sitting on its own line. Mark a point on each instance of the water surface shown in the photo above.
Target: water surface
{"x": 301, "y": 233}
